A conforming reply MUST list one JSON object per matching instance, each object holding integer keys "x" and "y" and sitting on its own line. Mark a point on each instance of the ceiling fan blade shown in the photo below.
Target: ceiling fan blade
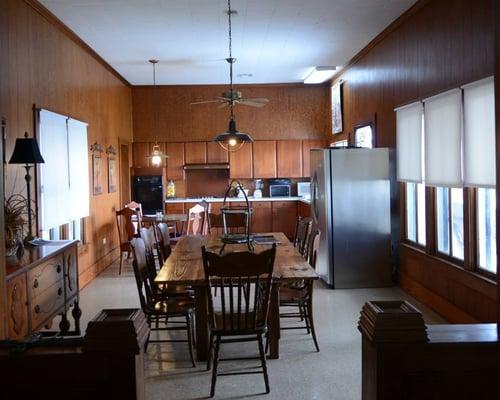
{"x": 205, "y": 102}
{"x": 223, "y": 105}
{"x": 252, "y": 103}
{"x": 257, "y": 99}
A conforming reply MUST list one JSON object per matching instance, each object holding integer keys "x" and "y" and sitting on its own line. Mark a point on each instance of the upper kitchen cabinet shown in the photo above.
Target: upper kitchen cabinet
{"x": 240, "y": 162}
{"x": 196, "y": 152}
{"x": 141, "y": 150}
{"x": 216, "y": 154}
{"x": 289, "y": 157}
{"x": 307, "y": 145}
{"x": 264, "y": 159}
{"x": 175, "y": 161}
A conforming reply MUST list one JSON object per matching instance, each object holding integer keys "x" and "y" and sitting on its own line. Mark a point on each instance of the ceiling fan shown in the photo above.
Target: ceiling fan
{"x": 232, "y": 96}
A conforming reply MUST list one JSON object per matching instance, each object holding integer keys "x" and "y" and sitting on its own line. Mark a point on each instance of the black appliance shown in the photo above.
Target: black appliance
{"x": 280, "y": 187}
{"x": 148, "y": 190}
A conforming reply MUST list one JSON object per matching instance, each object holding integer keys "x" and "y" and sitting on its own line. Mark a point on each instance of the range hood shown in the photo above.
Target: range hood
{"x": 191, "y": 167}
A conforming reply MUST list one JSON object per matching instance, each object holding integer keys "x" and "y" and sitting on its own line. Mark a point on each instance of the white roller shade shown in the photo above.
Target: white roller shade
{"x": 479, "y": 133}
{"x": 409, "y": 142}
{"x": 54, "y": 188}
{"x": 78, "y": 205}
{"x": 442, "y": 137}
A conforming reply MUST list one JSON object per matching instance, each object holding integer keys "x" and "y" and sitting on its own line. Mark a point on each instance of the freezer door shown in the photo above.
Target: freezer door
{"x": 361, "y": 218}
{"x": 320, "y": 210}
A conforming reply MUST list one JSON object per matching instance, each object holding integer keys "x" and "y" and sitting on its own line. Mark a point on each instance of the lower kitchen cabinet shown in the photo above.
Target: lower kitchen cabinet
{"x": 284, "y": 215}
{"x": 261, "y": 217}
{"x": 304, "y": 209}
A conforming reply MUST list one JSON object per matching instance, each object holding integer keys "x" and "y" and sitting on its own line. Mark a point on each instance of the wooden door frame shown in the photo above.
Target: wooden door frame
{"x": 3, "y": 289}
{"x": 496, "y": 11}
{"x": 122, "y": 142}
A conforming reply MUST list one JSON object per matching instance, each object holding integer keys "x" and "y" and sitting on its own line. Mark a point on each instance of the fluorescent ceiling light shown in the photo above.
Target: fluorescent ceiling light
{"x": 320, "y": 75}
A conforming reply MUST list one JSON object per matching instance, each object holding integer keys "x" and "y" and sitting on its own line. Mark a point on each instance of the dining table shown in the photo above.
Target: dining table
{"x": 185, "y": 267}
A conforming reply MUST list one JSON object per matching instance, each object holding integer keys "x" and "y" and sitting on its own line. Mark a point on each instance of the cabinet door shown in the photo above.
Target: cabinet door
{"x": 284, "y": 217}
{"x": 304, "y": 210}
{"x": 240, "y": 162}
{"x": 17, "y": 307}
{"x": 261, "y": 217}
{"x": 140, "y": 152}
{"x": 175, "y": 161}
{"x": 289, "y": 155}
{"x": 196, "y": 152}
{"x": 216, "y": 154}
{"x": 307, "y": 145}
{"x": 264, "y": 159}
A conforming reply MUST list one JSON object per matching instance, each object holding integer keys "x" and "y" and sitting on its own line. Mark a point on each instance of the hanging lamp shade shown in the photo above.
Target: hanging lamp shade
{"x": 232, "y": 140}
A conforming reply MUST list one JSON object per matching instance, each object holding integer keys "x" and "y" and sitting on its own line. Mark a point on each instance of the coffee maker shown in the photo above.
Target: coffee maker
{"x": 258, "y": 185}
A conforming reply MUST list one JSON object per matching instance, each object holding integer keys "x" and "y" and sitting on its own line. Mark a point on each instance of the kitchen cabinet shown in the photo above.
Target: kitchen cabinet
{"x": 289, "y": 158}
{"x": 307, "y": 145}
{"x": 216, "y": 154}
{"x": 284, "y": 216}
{"x": 303, "y": 209}
{"x": 175, "y": 161}
{"x": 195, "y": 152}
{"x": 240, "y": 162}
{"x": 175, "y": 208}
{"x": 264, "y": 159}
{"x": 261, "y": 217}
{"x": 141, "y": 150}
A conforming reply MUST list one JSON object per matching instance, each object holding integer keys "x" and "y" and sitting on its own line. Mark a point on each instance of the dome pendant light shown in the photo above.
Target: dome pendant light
{"x": 232, "y": 140}
{"x": 157, "y": 155}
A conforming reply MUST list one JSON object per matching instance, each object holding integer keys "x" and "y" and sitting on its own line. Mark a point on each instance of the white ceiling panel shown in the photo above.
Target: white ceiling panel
{"x": 274, "y": 40}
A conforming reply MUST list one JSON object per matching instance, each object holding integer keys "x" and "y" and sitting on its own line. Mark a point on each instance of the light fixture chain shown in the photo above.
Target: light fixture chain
{"x": 230, "y": 58}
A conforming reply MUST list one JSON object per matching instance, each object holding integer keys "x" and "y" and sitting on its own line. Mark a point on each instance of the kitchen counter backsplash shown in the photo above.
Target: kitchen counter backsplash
{"x": 234, "y": 199}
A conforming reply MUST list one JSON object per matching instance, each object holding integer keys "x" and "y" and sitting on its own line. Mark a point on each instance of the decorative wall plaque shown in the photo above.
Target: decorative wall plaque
{"x": 112, "y": 169}
{"x": 97, "y": 150}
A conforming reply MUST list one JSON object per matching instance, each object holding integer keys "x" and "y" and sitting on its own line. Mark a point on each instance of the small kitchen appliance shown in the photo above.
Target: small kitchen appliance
{"x": 258, "y": 188}
{"x": 280, "y": 188}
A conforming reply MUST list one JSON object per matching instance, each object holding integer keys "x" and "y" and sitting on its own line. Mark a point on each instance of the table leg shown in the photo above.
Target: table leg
{"x": 274, "y": 323}
{"x": 201, "y": 313}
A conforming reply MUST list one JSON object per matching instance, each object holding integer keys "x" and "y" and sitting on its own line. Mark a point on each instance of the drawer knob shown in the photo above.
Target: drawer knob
{"x": 37, "y": 309}
{"x": 35, "y": 283}
{"x": 59, "y": 292}
{"x": 58, "y": 269}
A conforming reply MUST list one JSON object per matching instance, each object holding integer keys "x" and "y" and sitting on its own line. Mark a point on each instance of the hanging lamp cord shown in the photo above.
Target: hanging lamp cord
{"x": 230, "y": 57}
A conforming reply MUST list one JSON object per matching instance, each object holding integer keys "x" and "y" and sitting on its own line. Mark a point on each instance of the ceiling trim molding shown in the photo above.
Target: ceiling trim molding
{"x": 394, "y": 25}
{"x": 56, "y": 22}
{"x": 237, "y": 85}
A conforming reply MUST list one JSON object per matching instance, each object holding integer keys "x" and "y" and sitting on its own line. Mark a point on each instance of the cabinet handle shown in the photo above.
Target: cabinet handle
{"x": 37, "y": 309}
{"x": 58, "y": 269}
{"x": 59, "y": 292}
{"x": 35, "y": 283}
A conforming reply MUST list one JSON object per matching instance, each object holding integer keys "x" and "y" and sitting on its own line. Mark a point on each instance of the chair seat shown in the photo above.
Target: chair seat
{"x": 233, "y": 330}
{"x": 292, "y": 295}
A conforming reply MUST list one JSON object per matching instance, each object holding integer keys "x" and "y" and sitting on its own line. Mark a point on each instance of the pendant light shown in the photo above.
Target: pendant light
{"x": 157, "y": 155}
{"x": 232, "y": 139}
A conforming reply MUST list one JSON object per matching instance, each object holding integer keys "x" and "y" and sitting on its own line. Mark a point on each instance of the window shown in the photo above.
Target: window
{"x": 64, "y": 177}
{"x": 363, "y": 136}
{"x": 340, "y": 143}
{"x": 450, "y": 222}
{"x": 415, "y": 213}
{"x": 486, "y": 229}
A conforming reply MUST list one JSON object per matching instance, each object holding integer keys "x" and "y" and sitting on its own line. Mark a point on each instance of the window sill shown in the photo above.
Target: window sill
{"x": 481, "y": 276}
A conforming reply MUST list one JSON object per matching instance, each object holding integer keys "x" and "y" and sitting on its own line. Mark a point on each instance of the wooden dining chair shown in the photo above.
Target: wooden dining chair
{"x": 126, "y": 231}
{"x": 300, "y": 295}
{"x": 160, "y": 312}
{"x": 163, "y": 234}
{"x": 244, "y": 280}
{"x": 302, "y": 231}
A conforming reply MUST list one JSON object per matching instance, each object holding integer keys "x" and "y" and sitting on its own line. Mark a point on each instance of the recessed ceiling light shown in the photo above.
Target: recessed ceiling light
{"x": 319, "y": 75}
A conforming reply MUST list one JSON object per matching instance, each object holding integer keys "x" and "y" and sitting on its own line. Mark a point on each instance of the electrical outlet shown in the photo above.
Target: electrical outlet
{"x": 103, "y": 241}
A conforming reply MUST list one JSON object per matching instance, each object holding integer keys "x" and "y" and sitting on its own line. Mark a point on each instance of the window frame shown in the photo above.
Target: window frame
{"x": 404, "y": 224}
{"x": 372, "y": 125}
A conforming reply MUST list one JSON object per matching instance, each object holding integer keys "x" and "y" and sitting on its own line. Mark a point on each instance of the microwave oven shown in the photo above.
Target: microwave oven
{"x": 280, "y": 188}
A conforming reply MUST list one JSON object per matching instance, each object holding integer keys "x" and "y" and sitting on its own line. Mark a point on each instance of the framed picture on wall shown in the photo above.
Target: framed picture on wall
{"x": 112, "y": 169}
{"x": 97, "y": 151}
{"x": 336, "y": 94}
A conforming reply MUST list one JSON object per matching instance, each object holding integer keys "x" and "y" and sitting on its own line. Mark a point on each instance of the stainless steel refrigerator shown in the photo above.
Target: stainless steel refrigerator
{"x": 350, "y": 203}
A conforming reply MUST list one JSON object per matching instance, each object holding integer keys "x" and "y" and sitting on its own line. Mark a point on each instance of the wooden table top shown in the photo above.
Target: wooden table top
{"x": 165, "y": 218}
{"x": 185, "y": 264}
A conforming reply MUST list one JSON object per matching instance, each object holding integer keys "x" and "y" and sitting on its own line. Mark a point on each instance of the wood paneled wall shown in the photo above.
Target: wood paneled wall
{"x": 435, "y": 46}
{"x": 45, "y": 66}
{"x": 294, "y": 112}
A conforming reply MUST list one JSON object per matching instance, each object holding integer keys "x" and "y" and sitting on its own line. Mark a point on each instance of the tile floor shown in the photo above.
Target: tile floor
{"x": 300, "y": 373}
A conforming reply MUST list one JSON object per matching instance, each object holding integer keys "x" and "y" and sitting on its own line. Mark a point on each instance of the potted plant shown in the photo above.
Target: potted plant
{"x": 15, "y": 213}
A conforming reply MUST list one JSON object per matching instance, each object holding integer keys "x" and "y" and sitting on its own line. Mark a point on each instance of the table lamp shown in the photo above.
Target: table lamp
{"x": 27, "y": 152}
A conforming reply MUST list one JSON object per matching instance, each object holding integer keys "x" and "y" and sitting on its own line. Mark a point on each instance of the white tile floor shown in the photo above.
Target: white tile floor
{"x": 300, "y": 373}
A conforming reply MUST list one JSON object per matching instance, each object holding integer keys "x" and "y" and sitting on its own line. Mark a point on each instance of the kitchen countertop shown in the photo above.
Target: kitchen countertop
{"x": 234, "y": 199}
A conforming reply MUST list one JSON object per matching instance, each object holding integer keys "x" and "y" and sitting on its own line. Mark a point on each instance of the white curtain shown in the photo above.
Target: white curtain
{"x": 54, "y": 188}
{"x": 409, "y": 142}
{"x": 479, "y": 134}
{"x": 78, "y": 206}
{"x": 442, "y": 137}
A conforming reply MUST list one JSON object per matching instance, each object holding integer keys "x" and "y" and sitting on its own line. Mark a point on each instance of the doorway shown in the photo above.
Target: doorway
{"x": 124, "y": 174}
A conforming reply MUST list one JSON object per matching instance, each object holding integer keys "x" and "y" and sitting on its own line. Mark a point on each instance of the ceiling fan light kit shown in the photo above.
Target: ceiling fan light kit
{"x": 320, "y": 75}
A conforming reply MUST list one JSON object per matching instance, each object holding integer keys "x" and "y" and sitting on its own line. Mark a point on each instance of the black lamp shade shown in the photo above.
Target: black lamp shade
{"x": 26, "y": 151}
{"x": 234, "y": 134}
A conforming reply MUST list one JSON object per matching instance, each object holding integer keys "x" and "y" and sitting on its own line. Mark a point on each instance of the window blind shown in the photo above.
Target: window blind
{"x": 78, "y": 163}
{"x": 54, "y": 189}
{"x": 442, "y": 139}
{"x": 479, "y": 134}
{"x": 409, "y": 142}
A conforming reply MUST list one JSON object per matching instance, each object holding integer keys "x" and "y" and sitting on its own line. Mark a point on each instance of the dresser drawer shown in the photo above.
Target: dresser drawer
{"x": 45, "y": 275}
{"x": 71, "y": 272}
{"x": 46, "y": 304}
{"x": 17, "y": 307}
